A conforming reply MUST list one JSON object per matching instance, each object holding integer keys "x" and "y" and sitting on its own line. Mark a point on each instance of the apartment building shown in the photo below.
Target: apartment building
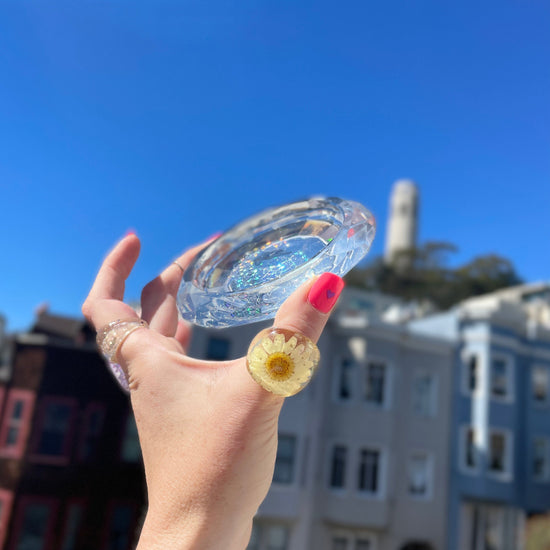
{"x": 363, "y": 452}
{"x": 500, "y": 443}
{"x": 70, "y": 465}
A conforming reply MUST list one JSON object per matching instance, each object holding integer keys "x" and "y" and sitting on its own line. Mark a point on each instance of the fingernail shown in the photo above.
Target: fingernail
{"x": 325, "y": 291}
{"x": 215, "y": 236}
{"x": 130, "y": 232}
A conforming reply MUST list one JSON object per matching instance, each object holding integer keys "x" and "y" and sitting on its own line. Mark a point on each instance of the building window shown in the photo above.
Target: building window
{"x": 268, "y": 536}
{"x": 284, "y": 464}
{"x": 119, "y": 527}
{"x": 254, "y": 542}
{"x": 539, "y": 384}
{"x": 469, "y": 449}
{"x": 73, "y": 522}
{"x": 471, "y": 373}
{"x": 499, "y": 452}
{"x": 501, "y": 378}
{"x": 541, "y": 459}
{"x": 338, "y": 467}
{"x": 90, "y": 435}
{"x": 340, "y": 543}
{"x": 345, "y": 381}
{"x": 490, "y": 527}
{"x": 55, "y": 429}
{"x": 344, "y": 540}
{"x": 375, "y": 382}
{"x": 424, "y": 394}
{"x": 130, "y": 450}
{"x": 34, "y": 523}
{"x": 369, "y": 471}
{"x": 217, "y": 349}
{"x": 16, "y": 423}
{"x": 420, "y": 475}
{"x": 277, "y": 536}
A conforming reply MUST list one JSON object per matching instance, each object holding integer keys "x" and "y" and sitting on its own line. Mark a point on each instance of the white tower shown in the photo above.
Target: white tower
{"x": 402, "y": 220}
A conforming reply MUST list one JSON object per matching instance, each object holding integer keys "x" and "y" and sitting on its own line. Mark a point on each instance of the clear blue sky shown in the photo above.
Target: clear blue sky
{"x": 178, "y": 119}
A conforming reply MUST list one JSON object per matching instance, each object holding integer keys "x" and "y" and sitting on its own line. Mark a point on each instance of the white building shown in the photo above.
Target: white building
{"x": 362, "y": 453}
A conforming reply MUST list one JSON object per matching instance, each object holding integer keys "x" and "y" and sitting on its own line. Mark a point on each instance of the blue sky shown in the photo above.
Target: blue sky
{"x": 179, "y": 119}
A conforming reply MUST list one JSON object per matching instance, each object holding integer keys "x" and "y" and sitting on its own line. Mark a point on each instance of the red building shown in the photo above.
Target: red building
{"x": 71, "y": 475}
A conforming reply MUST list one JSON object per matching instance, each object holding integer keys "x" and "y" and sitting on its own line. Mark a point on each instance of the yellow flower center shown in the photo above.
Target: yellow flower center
{"x": 279, "y": 366}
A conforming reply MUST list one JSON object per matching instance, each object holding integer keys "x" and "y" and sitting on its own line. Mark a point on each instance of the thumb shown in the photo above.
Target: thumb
{"x": 282, "y": 359}
{"x": 307, "y": 310}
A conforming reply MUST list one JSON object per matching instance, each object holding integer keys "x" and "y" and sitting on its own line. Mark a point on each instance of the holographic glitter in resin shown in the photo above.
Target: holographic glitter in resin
{"x": 273, "y": 260}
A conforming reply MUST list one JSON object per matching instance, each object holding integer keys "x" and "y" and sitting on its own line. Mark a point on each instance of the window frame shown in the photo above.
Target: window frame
{"x": 428, "y": 494}
{"x": 351, "y": 373}
{"x": 467, "y": 357}
{"x": 507, "y": 474}
{"x": 545, "y": 478}
{"x": 293, "y": 464}
{"x": 23, "y": 424}
{"x": 538, "y": 403}
{"x": 262, "y": 528}
{"x": 386, "y": 391}
{"x": 433, "y": 397}
{"x": 65, "y": 457}
{"x": 462, "y": 449}
{"x": 71, "y": 503}
{"x": 510, "y": 377}
{"x": 476, "y": 524}
{"x": 24, "y": 503}
{"x": 352, "y": 537}
{"x": 331, "y": 463}
{"x": 381, "y": 472}
{"x": 89, "y": 410}
{"x": 111, "y": 510}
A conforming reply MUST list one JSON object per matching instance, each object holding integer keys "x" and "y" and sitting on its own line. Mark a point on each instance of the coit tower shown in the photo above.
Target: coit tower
{"x": 402, "y": 220}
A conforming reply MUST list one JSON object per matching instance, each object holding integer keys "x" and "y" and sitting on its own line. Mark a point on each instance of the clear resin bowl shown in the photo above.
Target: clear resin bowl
{"x": 247, "y": 273}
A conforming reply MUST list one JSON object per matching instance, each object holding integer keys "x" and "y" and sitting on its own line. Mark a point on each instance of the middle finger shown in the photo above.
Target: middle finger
{"x": 158, "y": 298}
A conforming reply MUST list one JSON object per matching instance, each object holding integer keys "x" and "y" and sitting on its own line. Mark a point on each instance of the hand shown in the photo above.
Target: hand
{"x": 208, "y": 432}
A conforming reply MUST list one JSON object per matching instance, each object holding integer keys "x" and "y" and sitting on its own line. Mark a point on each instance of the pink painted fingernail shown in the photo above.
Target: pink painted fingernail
{"x": 325, "y": 291}
{"x": 215, "y": 236}
{"x": 130, "y": 232}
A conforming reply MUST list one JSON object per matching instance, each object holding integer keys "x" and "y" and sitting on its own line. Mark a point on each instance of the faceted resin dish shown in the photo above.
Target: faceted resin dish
{"x": 247, "y": 273}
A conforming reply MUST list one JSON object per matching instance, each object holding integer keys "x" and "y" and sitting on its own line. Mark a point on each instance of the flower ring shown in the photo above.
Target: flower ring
{"x": 282, "y": 361}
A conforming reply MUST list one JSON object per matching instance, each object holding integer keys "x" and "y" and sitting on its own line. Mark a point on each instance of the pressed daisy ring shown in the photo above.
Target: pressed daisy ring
{"x": 282, "y": 361}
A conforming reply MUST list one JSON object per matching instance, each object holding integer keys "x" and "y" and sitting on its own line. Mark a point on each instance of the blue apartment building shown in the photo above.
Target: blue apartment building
{"x": 500, "y": 421}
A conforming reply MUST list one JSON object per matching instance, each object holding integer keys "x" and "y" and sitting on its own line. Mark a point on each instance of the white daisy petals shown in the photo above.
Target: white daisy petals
{"x": 282, "y": 361}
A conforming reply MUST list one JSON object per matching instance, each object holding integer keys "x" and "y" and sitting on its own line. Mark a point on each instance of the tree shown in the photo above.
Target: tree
{"x": 423, "y": 274}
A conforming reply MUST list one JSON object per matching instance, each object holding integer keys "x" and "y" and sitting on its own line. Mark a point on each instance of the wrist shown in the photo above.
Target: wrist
{"x": 194, "y": 534}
